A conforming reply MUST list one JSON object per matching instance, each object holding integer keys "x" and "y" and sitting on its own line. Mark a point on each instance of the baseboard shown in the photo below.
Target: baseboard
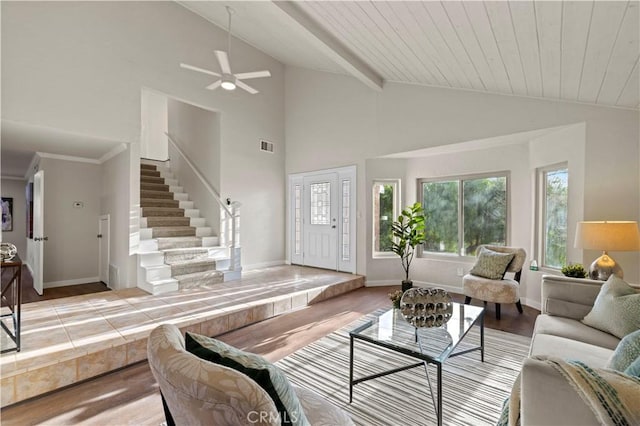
{"x": 381, "y": 283}
{"x": 531, "y": 303}
{"x": 262, "y": 265}
{"x": 77, "y": 281}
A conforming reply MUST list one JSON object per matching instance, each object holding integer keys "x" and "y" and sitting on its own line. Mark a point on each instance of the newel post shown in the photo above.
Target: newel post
{"x": 234, "y": 227}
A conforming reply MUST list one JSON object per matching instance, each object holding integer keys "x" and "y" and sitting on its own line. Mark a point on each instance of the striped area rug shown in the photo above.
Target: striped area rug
{"x": 473, "y": 392}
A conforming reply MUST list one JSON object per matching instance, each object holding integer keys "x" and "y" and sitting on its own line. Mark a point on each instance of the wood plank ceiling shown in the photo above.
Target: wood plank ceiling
{"x": 581, "y": 51}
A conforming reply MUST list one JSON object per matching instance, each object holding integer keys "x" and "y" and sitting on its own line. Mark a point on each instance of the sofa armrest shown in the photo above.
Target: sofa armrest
{"x": 568, "y": 297}
{"x": 548, "y": 399}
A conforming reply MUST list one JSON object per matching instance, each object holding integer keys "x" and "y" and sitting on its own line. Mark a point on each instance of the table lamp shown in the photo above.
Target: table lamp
{"x": 607, "y": 236}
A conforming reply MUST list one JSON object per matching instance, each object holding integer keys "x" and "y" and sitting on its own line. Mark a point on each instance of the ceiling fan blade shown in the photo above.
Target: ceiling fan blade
{"x": 246, "y": 87}
{"x": 223, "y": 59}
{"x": 202, "y": 70}
{"x": 214, "y": 85}
{"x": 255, "y": 74}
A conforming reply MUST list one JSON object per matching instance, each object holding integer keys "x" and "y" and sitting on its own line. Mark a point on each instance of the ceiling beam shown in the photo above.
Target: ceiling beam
{"x": 331, "y": 46}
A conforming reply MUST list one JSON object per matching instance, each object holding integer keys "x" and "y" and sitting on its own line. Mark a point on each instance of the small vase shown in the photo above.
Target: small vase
{"x": 406, "y": 285}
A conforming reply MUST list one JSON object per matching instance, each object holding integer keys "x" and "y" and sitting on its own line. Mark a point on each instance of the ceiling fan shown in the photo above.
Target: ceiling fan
{"x": 228, "y": 80}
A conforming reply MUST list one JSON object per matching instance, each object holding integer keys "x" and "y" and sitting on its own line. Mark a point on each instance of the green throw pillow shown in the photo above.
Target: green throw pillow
{"x": 265, "y": 374}
{"x": 616, "y": 308}
{"x": 626, "y": 352}
{"x": 491, "y": 264}
{"x": 633, "y": 369}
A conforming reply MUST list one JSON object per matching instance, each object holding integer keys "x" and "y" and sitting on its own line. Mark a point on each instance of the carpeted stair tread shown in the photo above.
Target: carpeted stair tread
{"x": 147, "y": 166}
{"x": 174, "y": 231}
{"x": 162, "y": 211}
{"x": 158, "y": 202}
{"x": 154, "y": 186}
{"x": 199, "y": 278}
{"x": 166, "y": 243}
{"x": 211, "y": 263}
{"x": 161, "y": 221}
{"x": 185, "y": 254}
{"x": 146, "y": 193}
{"x": 192, "y": 266}
{"x": 150, "y": 173}
{"x": 151, "y": 179}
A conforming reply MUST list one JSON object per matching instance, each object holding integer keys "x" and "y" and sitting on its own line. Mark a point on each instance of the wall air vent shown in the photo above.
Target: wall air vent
{"x": 266, "y": 146}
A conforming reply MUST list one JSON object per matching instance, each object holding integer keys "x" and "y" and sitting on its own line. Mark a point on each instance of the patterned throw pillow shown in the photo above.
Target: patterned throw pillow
{"x": 491, "y": 264}
{"x": 616, "y": 308}
{"x": 633, "y": 369}
{"x": 265, "y": 374}
{"x": 626, "y": 352}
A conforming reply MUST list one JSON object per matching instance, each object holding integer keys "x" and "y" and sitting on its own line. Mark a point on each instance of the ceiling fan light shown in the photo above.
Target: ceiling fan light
{"x": 228, "y": 82}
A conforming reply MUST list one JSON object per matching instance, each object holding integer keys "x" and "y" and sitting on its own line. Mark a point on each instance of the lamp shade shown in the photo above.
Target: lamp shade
{"x": 608, "y": 236}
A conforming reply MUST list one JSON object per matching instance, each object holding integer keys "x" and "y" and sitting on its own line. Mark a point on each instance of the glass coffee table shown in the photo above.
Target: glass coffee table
{"x": 435, "y": 345}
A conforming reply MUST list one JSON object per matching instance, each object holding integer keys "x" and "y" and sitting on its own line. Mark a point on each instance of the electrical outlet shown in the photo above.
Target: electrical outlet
{"x": 460, "y": 272}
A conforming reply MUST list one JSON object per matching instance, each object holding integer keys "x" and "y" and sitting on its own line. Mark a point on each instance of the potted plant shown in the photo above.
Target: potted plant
{"x": 408, "y": 232}
{"x": 575, "y": 270}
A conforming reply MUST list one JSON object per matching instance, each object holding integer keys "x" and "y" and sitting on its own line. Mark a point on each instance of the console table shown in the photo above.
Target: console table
{"x": 11, "y": 299}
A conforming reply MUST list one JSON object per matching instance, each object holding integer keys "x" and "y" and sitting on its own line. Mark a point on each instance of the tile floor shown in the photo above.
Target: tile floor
{"x": 68, "y": 340}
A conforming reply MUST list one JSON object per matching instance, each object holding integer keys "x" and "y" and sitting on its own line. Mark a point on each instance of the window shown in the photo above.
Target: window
{"x": 346, "y": 208}
{"x": 553, "y": 194}
{"x": 320, "y": 203}
{"x": 463, "y": 213}
{"x": 298, "y": 219}
{"x": 385, "y": 210}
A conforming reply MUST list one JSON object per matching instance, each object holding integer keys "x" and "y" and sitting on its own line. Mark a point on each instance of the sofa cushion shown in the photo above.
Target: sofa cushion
{"x": 626, "y": 352}
{"x": 564, "y": 348}
{"x": 615, "y": 309}
{"x": 575, "y": 330}
{"x": 265, "y": 374}
{"x": 320, "y": 411}
{"x": 491, "y": 264}
{"x": 497, "y": 291}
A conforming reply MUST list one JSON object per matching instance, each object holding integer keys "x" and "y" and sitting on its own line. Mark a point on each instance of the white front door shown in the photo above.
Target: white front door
{"x": 321, "y": 220}
{"x": 38, "y": 231}
{"x": 103, "y": 248}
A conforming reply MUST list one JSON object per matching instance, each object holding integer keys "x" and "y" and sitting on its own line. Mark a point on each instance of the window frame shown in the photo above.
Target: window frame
{"x": 460, "y": 179}
{"x": 396, "y": 183}
{"x": 541, "y": 210}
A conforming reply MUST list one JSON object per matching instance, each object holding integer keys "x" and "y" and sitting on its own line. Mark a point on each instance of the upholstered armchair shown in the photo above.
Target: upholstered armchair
{"x": 498, "y": 289}
{"x": 198, "y": 392}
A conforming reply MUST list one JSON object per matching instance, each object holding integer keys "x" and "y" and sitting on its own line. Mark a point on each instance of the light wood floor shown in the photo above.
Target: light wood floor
{"x": 130, "y": 396}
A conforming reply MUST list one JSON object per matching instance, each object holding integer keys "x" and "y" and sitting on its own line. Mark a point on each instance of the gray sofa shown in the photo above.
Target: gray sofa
{"x": 546, "y": 397}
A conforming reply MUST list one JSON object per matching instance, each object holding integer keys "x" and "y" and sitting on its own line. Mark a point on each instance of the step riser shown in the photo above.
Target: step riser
{"x": 192, "y": 268}
{"x": 156, "y": 194}
{"x": 201, "y": 254}
{"x": 155, "y": 212}
{"x": 150, "y": 202}
{"x": 147, "y": 166}
{"x": 153, "y": 222}
{"x": 160, "y": 232}
{"x": 167, "y": 245}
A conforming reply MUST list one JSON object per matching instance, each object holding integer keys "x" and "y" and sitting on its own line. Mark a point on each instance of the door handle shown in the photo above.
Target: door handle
{"x": 333, "y": 227}
{"x": 99, "y": 235}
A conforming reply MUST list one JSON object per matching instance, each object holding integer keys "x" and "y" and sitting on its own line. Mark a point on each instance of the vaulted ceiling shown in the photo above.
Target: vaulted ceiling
{"x": 580, "y": 51}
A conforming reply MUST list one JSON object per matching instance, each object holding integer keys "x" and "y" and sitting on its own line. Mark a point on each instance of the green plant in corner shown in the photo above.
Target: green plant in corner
{"x": 575, "y": 270}
{"x": 408, "y": 233}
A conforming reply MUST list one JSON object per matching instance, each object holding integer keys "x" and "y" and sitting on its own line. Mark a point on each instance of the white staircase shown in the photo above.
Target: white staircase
{"x": 177, "y": 250}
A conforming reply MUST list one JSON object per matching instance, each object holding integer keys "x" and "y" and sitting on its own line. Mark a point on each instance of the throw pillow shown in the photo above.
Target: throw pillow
{"x": 616, "y": 308}
{"x": 626, "y": 352}
{"x": 265, "y": 374}
{"x": 491, "y": 264}
{"x": 633, "y": 369}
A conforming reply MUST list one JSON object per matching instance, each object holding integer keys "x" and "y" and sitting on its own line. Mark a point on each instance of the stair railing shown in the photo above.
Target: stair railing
{"x": 229, "y": 213}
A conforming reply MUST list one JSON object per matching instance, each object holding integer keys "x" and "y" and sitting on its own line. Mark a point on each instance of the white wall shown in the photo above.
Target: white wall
{"x": 334, "y": 120}
{"x": 153, "y": 141}
{"x": 15, "y": 188}
{"x": 80, "y": 67}
{"x": 197, "y": 133}
{"x": 71, "y": 252}
{"x": 114, "y": 201}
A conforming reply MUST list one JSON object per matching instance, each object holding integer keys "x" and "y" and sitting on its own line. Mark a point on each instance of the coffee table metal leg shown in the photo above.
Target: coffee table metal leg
{"x": 482, "y": 337}
{"x": 439, "y": 413}
{"x": 351, "y": 370}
